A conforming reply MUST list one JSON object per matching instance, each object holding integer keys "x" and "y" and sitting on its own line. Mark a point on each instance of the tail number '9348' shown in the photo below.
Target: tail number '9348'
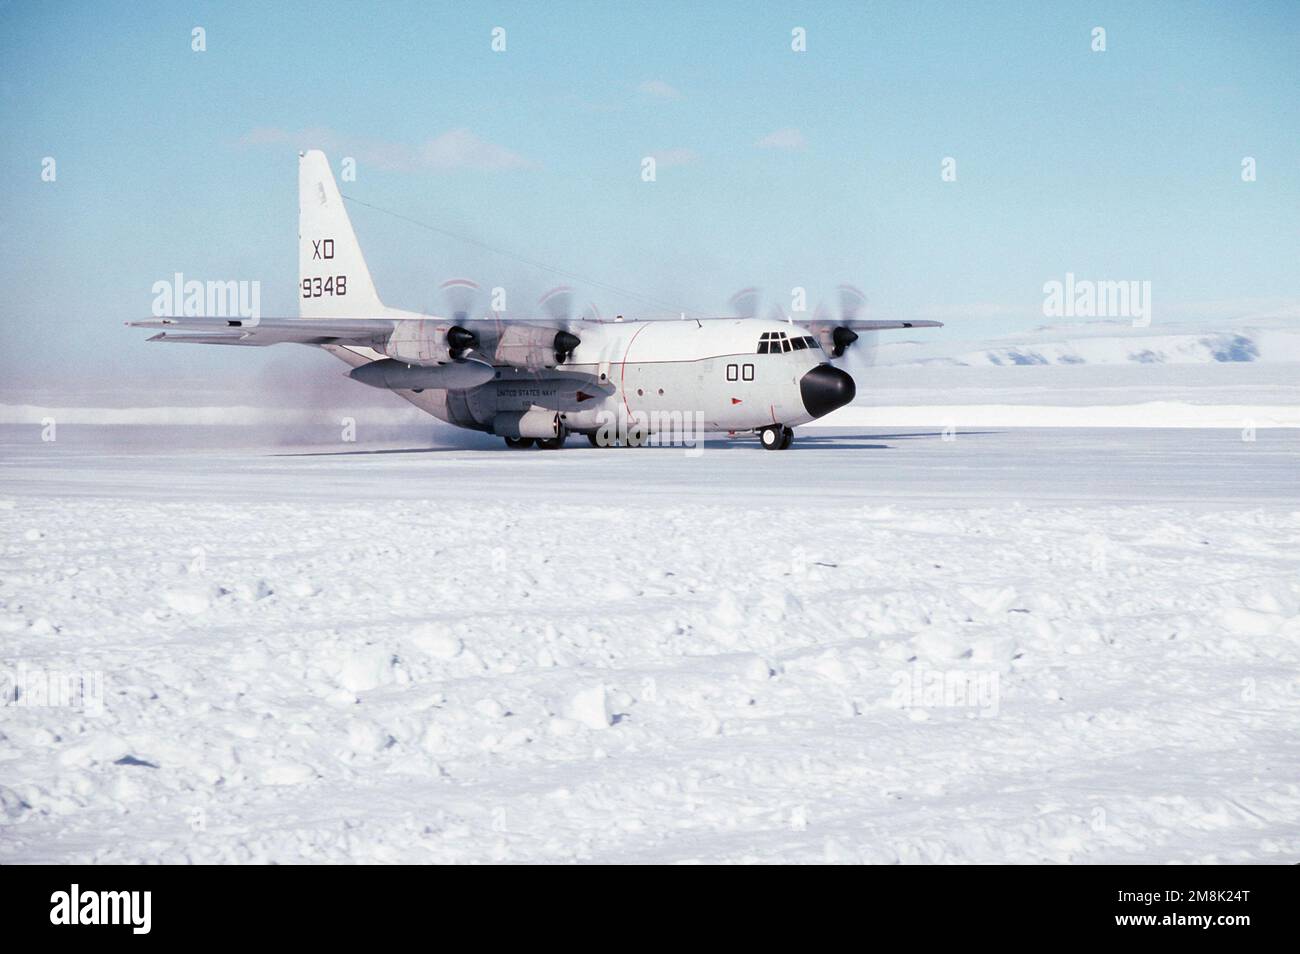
{"x": 320, "y": 287}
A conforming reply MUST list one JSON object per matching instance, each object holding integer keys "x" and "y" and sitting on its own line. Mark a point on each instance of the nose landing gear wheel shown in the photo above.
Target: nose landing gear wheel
{"x": 776, "y": 437}
{"x": 519, "y": 443}
{"x": 773, "y": 437}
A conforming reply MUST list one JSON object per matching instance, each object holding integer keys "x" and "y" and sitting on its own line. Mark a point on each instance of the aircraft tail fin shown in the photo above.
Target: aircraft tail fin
{"x": 333, "y": 280}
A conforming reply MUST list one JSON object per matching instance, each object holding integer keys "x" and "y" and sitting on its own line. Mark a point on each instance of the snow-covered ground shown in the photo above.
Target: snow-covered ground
{"x": 1019, "y": 645}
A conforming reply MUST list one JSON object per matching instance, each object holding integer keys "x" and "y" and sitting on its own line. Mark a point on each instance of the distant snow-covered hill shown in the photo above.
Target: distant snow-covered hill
{"x": 1099, "y": 373}
{"x": 1105, "y": 342}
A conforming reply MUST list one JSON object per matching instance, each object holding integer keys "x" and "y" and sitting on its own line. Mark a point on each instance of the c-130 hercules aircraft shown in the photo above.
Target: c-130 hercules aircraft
{"x": 540, "y": 380}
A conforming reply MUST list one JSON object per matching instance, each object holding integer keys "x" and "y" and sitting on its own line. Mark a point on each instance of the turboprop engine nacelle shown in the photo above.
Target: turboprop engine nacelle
{"x": 420, "y": 341}
{"x": 534, "y": 348}
{"x": 399, "y": 376}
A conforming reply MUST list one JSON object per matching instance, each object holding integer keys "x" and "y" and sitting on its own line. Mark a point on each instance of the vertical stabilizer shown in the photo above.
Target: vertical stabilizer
{"x": 333, "y": 280}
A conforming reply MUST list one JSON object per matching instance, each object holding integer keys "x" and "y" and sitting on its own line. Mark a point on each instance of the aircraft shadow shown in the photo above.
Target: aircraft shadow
{"x": 822, "y": 441}
{"x": 846, "y": 441}
{"x": 382, "y": 450}
{"x": 839, "y": 438}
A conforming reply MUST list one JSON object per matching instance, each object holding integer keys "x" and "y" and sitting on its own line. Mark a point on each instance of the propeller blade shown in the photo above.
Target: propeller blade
{"x": 558, "y": 302}
{"x": 460, "y": 294}
{"x": 864, "y": 352}
{"x": 860, "y": 349}
{"x": 852, "y": 301}
{"x": 744, "y": 304}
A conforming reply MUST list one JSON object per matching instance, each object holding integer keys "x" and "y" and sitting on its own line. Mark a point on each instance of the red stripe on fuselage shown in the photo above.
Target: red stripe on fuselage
{"x": 622, "y": 370}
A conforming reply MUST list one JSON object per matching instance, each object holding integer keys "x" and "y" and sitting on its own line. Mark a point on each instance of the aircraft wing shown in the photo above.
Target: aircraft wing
{"x": 836, "y": 334}
{"x": 858, "y": 324}
{"x": 269, "y": 331}
{"x": 357, "y": 331}
{"x": 414, "y": 339}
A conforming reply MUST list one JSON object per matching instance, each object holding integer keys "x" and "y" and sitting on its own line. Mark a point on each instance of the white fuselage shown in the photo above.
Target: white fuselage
{"x": 712, "y": 368}
{"x": 707, "y": 371}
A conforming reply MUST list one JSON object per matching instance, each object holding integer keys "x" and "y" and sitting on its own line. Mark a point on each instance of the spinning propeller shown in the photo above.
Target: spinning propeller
{"x": 461, "y": 294}
{"x": 844, "y": 345}
{"x": 558, "y": 303}
{"x": 854, "y": 347}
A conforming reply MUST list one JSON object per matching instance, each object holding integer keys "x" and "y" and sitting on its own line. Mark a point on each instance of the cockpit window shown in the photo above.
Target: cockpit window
{"x": 778, "y": 342}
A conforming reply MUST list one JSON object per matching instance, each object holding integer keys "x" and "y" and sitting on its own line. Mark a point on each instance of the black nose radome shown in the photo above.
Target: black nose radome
{"x": 825, "y": 388}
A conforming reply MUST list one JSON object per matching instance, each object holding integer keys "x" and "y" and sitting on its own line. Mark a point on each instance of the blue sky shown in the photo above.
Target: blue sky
{"x": 777, "y": 168}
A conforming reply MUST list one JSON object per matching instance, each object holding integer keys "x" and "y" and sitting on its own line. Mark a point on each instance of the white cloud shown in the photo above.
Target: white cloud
{"x": 461, "y": 149}
{"x": 454, "y": 149}
{"x": 659, "y": 89}
{"x": 788, "y": 138}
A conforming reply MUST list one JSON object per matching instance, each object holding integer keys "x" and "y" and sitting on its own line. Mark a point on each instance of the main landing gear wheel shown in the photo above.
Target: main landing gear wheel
{"x": 552, "y": 443}
{"x": 519, "y": 443}
{"x": 776, "y": 437}
{"x": 632, "y": 438}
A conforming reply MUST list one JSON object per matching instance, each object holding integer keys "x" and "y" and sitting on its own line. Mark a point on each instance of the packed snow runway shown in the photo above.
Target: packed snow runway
{"x": 1035, "y": 645}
